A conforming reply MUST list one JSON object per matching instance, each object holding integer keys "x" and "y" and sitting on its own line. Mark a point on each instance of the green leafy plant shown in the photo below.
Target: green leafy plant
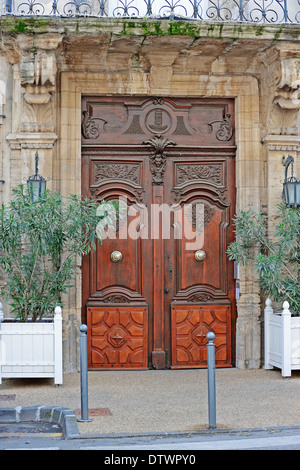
{"x": 276, "y": 256}
{"x": 39, "y": 248}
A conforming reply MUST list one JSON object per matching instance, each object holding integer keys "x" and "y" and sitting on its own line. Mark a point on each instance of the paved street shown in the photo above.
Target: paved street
{"x": 154, "y": 449}
{"x": 155, "y": 412}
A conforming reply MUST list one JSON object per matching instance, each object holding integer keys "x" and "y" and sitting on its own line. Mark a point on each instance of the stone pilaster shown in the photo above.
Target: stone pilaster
{"x": 283, "y": 125}
{"x": 282, "y": 130}
{"x": 248, "y": 327}
{"x": 34, "y": 110}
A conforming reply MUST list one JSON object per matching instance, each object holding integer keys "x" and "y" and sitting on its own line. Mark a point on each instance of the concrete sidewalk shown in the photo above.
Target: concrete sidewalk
{"x": 125, "y": 402}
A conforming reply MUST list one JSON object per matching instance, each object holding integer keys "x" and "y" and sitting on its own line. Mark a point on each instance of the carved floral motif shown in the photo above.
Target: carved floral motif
{"x": 199, "y": 297}
{"x": 116, "y": 299}
{"x": 37, "y": 109}
{"x": 124, "y": 171}
{"x": 158, "y": 158}
{"x": 199, "y": 172}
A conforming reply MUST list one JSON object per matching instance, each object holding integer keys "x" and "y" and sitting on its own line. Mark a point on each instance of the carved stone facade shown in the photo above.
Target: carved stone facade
{"x": 46, "y": 69}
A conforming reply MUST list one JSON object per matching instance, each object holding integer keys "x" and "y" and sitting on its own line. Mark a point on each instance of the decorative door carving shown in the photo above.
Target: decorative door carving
{"x": 162, "y": 280}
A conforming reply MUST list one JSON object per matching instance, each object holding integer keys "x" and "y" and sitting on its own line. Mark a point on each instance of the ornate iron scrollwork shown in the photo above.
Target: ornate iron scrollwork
{"x": 241, "y": 11}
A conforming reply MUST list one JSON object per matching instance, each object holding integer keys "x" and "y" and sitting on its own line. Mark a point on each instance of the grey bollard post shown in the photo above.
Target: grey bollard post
{"x": 84, "y": 374}
{"x": 211, "y": 380}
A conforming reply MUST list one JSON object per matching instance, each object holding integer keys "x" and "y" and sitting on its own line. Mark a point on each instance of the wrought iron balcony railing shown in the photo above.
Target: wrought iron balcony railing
{"x": 242, "y": 11}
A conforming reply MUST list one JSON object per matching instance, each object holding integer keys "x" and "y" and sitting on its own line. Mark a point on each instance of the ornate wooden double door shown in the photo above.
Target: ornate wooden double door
{"x": 161, "y": 280}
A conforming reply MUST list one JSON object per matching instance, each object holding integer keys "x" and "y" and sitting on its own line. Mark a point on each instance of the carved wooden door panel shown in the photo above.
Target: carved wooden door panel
{"x": 116, "y": 290}
{"x": 199, "y": 282}
{"x": 157, "y": 285}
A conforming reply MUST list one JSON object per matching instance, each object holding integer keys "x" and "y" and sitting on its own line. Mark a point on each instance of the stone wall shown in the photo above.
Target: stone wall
{"x": 46, "y": 64}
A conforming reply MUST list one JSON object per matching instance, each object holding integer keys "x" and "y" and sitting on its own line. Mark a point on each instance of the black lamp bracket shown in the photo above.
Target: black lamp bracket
{"x": 287, "y": 162}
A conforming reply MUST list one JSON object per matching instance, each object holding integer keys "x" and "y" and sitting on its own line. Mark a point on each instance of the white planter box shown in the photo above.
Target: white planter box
{"x": 32, "y": 349}
{"x": 282, "y": 340}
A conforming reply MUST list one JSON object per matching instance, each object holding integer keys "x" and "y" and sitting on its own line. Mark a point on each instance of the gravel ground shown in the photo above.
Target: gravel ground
{"x": 166, "y": 401}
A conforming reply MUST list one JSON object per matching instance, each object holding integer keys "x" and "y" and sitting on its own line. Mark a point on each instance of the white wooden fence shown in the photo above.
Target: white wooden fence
{"x": 282, "y": 339}
{"x": 32, "y": 349}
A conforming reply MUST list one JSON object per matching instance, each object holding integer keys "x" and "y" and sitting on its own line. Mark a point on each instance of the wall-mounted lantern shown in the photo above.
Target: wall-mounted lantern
{"x": 36, "y": 184}
{"x": 291, "y": 185}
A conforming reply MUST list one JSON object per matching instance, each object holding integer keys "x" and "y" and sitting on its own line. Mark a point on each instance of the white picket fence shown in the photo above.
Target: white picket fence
{"x": 32, "y": 349}
{"x": 282, "y": 339}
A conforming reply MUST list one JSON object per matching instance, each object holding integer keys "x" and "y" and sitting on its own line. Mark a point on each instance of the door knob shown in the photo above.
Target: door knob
{"x": 200, "y": 255}
{"x": 116, "y": 256}
{"x": 166, "y": 290}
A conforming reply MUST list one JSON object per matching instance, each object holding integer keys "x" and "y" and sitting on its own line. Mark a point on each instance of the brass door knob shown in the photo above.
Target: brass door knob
{"x": 116, "y": 256}
{"x": 200, "y": 255}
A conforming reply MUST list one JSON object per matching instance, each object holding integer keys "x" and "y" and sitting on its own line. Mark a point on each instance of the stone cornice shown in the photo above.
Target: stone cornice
{"x": 37, "y": 140}
{"x": 282, "y": 142}
{"x": 148, "y": 27}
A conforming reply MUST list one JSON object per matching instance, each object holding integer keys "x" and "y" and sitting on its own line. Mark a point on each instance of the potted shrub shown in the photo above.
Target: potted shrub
{"x": 39, "y": 247}
{"x": 276, "y": 258}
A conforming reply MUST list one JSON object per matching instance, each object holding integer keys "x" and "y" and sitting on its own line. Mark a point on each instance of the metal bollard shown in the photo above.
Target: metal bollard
{"x": 211, "y": 380}
{"x": 84, "y": 374}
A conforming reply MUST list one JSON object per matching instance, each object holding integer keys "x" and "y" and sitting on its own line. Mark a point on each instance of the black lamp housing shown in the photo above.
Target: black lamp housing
{"x": 36, "y": 184}
{"x": 291, "y": 185}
